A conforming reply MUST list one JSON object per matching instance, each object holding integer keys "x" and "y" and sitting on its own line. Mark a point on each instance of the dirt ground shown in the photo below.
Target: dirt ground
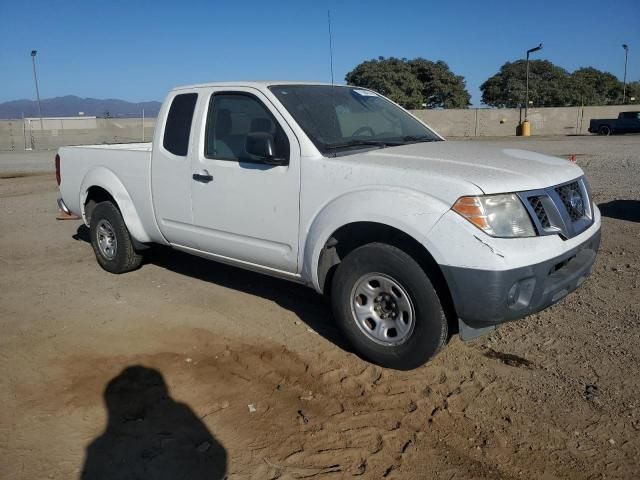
{"x": 259, "y": 384}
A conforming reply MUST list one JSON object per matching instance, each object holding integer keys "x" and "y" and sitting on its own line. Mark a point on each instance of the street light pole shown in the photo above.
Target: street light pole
{"x": 526, "y": 105}
{"x": 35, "y": 77}
{"x": 624, "y": 88}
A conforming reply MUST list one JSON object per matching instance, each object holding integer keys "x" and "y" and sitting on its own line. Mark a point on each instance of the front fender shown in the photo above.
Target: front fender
{"x": 407, "y": 210}
{"x": 104, "y": 178}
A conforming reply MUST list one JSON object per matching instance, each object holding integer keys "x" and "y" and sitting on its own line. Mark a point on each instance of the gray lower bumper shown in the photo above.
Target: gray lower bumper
{"x": 485, "y": 298}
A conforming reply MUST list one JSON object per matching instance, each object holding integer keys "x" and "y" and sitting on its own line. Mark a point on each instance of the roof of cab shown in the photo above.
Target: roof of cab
{"x": 254, "y": 84}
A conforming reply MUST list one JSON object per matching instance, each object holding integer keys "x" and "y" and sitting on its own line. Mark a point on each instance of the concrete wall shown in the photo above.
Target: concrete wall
{"x": 491, "y": 122}
{"x": 17, "y": 134}
{"x": 11, "y": 136}
{"x": 472, "y": 122}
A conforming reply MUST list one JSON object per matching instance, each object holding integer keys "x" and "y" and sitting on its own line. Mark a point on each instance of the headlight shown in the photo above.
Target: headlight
{"x": 497, "y": 215}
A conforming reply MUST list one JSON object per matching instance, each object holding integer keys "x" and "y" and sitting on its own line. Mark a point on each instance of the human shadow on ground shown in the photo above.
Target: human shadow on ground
{"x": 150, "y": 436}
{"x": 309, "y": 306}
{"x": 628, "y": 210}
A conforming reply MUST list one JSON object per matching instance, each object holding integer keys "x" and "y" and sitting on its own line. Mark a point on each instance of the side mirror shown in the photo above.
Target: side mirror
{"x": 261, "y": 148}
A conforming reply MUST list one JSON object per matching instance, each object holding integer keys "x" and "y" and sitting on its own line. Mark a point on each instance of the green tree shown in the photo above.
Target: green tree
{"x": 549, "y": 85}
{"x": 591, "y": 86}
{"x": 633, "y": 91}
{"x": 391, "y": 77}
{"x": 441, "y": 88}
{"x": 412, "y": 83}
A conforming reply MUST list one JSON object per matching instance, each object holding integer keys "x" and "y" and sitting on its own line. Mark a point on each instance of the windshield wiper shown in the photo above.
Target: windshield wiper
{"x": 421, "y": 138}
{"x": 360, "y": 143}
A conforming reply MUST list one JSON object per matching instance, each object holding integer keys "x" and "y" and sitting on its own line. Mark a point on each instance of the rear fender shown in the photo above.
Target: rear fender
{"x": 104, "y": 178}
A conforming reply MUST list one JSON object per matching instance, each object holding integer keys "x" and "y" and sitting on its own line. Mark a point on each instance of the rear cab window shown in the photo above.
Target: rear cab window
{"x": 178, "y": 125}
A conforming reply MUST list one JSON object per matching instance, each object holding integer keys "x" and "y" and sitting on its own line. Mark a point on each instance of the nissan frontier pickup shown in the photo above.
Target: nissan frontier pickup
{"x": 412, "y": 237}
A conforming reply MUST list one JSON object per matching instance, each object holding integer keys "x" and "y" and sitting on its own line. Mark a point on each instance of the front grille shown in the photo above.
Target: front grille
{"x": 540, "y": 212}
{"x": 572, "y": 199}
{"x": 563, "y": 210}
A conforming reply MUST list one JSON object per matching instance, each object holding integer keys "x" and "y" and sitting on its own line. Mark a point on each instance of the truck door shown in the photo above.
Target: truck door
{"x": 635, "y": 123}
{"x": 243, "y": 209}
{"x": 629, "y": 122}
{"x": 171, "y": 169}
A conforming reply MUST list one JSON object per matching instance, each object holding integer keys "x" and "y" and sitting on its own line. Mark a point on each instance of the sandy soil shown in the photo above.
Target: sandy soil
{"x": 232, "y": 373}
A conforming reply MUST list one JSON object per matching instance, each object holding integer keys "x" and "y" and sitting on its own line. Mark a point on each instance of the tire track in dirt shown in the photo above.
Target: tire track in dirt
{"x": 315, "y": 417}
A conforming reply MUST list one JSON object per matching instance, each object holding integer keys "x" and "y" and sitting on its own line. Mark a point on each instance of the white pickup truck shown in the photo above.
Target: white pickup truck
{"x": 339, "y": 188}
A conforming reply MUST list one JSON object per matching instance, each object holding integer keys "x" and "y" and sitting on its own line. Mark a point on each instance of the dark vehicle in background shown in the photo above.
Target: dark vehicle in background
{"x": 627, "y": 122}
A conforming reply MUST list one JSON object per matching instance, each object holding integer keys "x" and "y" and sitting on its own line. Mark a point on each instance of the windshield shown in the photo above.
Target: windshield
{"x": 342, "y": 119}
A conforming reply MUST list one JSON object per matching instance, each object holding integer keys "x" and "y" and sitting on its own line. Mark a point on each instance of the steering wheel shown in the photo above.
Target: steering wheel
{"x": 359, "y": 132}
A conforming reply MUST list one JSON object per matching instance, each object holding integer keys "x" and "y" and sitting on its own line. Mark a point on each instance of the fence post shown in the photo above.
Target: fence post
{"x": 475, "y": 130}
{"x": 24, "y": 133}
{"x": 32, "y": 143}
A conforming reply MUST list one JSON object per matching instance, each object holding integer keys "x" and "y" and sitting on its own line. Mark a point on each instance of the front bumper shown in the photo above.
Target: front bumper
{"x": 485, "y": 298}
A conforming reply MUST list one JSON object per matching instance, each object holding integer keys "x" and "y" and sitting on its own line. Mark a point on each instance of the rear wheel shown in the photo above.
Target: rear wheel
{"x": 111, "y": 240}
{"x": 604, "y": 130}
{"x": 387, "y": 307}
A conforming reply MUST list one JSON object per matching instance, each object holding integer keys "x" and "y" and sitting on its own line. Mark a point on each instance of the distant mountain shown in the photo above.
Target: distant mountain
{"x": 70, "y": 106}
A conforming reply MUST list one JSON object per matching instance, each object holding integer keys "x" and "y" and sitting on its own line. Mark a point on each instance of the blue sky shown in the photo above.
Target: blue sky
{"x": 137, "y": 50}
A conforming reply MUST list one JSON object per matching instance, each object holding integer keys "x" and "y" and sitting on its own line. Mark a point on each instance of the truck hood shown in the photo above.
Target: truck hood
{"x": 489, "y": 166}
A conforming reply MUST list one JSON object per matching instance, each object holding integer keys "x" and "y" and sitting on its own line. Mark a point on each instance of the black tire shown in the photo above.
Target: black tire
{"x": 604, "y": 130}
{"x": 124, "y": 258}
{"x": 429, "y": 331}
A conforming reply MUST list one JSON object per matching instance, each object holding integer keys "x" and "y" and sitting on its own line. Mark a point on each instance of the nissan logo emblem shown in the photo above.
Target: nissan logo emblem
{"x": 576, "y": 202}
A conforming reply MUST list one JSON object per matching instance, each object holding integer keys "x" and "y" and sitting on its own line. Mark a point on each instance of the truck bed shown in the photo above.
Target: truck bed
{"x": 124, "y": 167}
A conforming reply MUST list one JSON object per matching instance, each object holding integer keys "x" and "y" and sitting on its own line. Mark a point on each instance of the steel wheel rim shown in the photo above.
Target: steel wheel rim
{"x": 382, "y": 309}
{"x": 107, "y": 243}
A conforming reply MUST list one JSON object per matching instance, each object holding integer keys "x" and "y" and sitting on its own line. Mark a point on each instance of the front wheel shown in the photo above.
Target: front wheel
{"x": 387, "y": 307}
{"x": 111, "y": 241}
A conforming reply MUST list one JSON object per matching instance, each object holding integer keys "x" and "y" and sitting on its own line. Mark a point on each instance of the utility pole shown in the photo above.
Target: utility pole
{"x": 35, "y": 77}
{"x": 526, "y": 104}
{"x": 624, "y": 88}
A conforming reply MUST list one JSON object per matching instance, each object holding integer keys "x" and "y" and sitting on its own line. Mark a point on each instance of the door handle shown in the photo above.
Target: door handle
{"x": 202, "y": 176}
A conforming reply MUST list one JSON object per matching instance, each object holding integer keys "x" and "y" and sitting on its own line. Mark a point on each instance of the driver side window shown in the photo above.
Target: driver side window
{"x": 230, "y": 120}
